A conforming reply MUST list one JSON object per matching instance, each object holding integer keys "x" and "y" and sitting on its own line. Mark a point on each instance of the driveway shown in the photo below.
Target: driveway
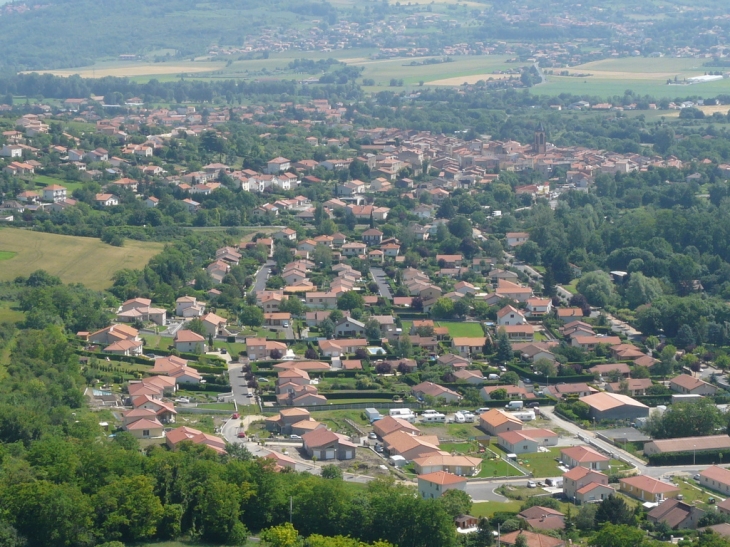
{"x": 379, "y": 277}
{"x": 485, "y": 490}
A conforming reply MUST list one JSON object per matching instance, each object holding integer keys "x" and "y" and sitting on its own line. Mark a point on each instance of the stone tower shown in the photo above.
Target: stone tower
{"x": 539, "y": 144}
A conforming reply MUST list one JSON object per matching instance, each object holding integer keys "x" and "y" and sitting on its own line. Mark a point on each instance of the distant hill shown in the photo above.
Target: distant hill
{"x": 68, "y": 33}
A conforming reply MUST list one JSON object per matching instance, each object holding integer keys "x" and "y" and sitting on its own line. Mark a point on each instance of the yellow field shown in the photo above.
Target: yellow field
{"x": 709, "y": 110}
{"x": 120, "y": 69}
{"x": 458, "y": 80}
{"x": 73, "y": 259}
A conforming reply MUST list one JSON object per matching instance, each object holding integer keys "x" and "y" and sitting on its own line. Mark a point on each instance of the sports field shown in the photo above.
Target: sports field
{"x": 644, "y": 76}
{"x": 74, "y": 259}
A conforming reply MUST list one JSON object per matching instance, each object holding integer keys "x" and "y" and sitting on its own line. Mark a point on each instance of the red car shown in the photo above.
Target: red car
{"x": 236, "y": 416}
{"x": 241, "y": 435}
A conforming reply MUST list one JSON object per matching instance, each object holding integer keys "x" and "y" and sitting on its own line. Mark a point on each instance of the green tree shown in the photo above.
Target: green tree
{"x": 456, "y": 502}
{"x": 217, "y": 514}
{"x": 195, "y": 325}
{"x": 443, "y": 309}
{"x": 460, "y": 227}
{"x": 685, "y": 337}
{"x": 350, "y": 300}
{"x": 498, "y": 394}
{"x": 372, "y": 330}
{"x": 597, "y": 287}
{"x": 331, "y": 471}
{"x": 292, "y": 305}
{"x": 128, "y": 509}
{"x": 618, "y": 535}
{"x": 686, "y": 420}
{"x": 615, "y": 510}
{"x": 284, "y": 535}
{"x": 510, "y": 378}
{"x": 642, "y": 290}
{"x": 545, "y": 367}
{"x": 585, "y": 520}
{"x": 252, "y": 316}
{"x": 327, "y": 327}
{"x": 504, "y": 346}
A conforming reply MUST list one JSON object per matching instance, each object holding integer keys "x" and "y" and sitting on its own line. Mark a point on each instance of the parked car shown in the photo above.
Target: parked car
{"x": 296, "y": 437}
{"x": 534, "y": 404}
{"x": 236, "y": 416}
{"x": 241, "y": 435}
{"x": 531, "y": 484}
{"x": 372, "y": 435}
{"x": 182, "y": 400}
{"x": 223, "y": 351}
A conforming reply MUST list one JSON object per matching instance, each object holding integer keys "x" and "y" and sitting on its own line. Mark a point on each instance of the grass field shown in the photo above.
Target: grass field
{"x": 488, "y": 508}
{"x": 46, "y": 180}
{"x": 462, "y": 329}
{"x": 73, "y": 259}
{"x": 7, "y": 255}
{"x": 541, "y": 464}
{"x": 611, "y": 77}
{"x": 8, "y": 312}
{"x": 119, "y": 69}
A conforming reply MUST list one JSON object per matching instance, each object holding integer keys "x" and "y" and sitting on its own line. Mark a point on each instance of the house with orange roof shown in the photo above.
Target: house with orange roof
{"x": 465, "y": 466}
{"x": 614, "y": 406}
{"x": 282, "y": 461}
{"x": 409, "y": 446}
{"x": 389, "y": 424}
{"x": 434, "y": 390}
{"x": 113, "y": 333}
{"x": 647, "y": 488}
{"x": 684, "y": 383}
{"x": 145, "y": 428}
{"x": 467, "y": 345}
{"x": 716, "y": 478}
{"x": 188, "y": 341}
{"x": 530, "y": 539}
{"x": 583, "y": 485}
{"x": 286, "y": 419}
{"x": 496, "y": 421}
{"x": 434, "y": 485}
{"x": 214, "y": 325}
{"x": 584, "y": 456}
{"x": 184, "y": 433}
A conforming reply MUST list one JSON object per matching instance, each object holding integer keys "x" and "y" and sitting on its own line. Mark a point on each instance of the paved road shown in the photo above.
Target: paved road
{"x": 485, "y": 490}
{"x": 261, "y": 276}
{"x": 379, "y": 277}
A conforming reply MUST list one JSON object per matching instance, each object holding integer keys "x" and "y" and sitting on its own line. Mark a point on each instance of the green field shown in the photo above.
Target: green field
{"x": 9, "y": 313}
{"x": 73, "y": 259}
{"x": 7, "y": 255}
{"x": 488, "y": 508}
{"x": 462, "y": 329}
{"x": 643, "y": 76}
{"x": 541, "y": 464}
{"x": 46, "y": 180}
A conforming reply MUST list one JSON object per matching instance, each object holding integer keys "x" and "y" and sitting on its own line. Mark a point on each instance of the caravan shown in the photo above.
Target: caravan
{"x": 435, "y": 418}
{"x": 403, "y": 414}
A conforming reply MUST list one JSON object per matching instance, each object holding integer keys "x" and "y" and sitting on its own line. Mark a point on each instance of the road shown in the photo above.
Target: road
{"x": 262, "y": 275}
{"x": 485, "y": 490}
{"x": 379, "y": 277}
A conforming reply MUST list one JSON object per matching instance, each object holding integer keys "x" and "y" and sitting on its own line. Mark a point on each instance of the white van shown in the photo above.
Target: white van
{"x": 433, "y": 418}
{"x": 515, "y": 405}
{"x": 493, "y": 377}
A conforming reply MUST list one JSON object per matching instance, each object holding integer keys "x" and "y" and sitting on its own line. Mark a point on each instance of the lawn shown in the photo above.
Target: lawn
{"x": 9, "y": 313}
{"x": 7, "y": 255}
{"x": 234, "y": 348}
{"x": 691, "y": 492}
{"x": 218, "y": 406}
{"x": 488, "y": 508}
{"x": 490, "y": 467}
{"x": 541, "y": 464}
{"x": 69, "y": 184}
{"x": 153, "y": 341}
{"x": 74, "y": 259}
{"x": 462, "y": 329}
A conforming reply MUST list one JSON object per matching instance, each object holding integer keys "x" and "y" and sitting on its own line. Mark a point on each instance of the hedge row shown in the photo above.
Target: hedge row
{"x": 214, "y": 388}
{"x": 689, "y": 457}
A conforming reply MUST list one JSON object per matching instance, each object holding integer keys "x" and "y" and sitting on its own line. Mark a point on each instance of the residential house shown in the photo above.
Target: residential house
{"x": 261, "y": 348}
{"x": 496, "y": 421}
{"x": 327, "y": 300}
{"x": 530, "y": 539}
{"x": 560, "y": 391}
{"x": 349, "y": 327}
{"x": 474, "y": 377}
{"x": 188, "y": 341}
{"x": 716, "y": 478}
{"x": 54, "y": 193}
{"x": 373, "y": 236}
{"x": 434, "y": 390}
{"x": 584, "y": 456}
{"x": 401, "y": 443}
{"x": 214, "y": 325}
{"x": 513, "y": 392}
{"x": 684, "y": 383}
{"x": 327, "y": 445}
{"x": 539, "y": 307}
{"x": 566, "y": 315}
{"x": 390, "y": 424}
{"x": 583, "y": 485}
{"x": 510, "y": 316}
{"x": 456, "y": 464}
{"x": 433, "y": 485}
{"x": 189, "y": 307}
{"x": 515, "y": 239}
{"x": 543, "y": 518}
{"x": 676, "y": 514}
{"x": 622, "y": 369}
{"x": 188, "y": 434}
{"x": 648, "y": 489}
{"x": 634, "y": 387}
{"x": 468, "y": 346}
{"x": 589, "y": 343}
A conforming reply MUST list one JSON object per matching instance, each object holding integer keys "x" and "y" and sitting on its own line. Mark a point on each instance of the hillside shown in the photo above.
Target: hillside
{"x": 66, "y": 33}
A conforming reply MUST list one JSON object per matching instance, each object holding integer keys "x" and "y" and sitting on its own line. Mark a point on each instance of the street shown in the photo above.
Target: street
{"x": 262, "y": 275}
{"x": 379, "y": 277}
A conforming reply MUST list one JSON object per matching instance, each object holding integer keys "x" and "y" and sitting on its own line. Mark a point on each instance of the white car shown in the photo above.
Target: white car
{"x": 182, "y": 400}
{"x": 531, "y": 484}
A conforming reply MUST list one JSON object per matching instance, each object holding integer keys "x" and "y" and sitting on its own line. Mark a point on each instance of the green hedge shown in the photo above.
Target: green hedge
{"x": 118, "y": 358}
{"x": 654, "y": 400}
{"x": 213, "y": 388}
{"x": 689, "y": 457}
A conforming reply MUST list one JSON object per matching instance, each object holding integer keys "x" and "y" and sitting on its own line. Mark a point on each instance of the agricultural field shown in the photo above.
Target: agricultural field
{"x": 644, "y": 76}
{"x": 73, "y": 259}
{"x": 121, "y": 69}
